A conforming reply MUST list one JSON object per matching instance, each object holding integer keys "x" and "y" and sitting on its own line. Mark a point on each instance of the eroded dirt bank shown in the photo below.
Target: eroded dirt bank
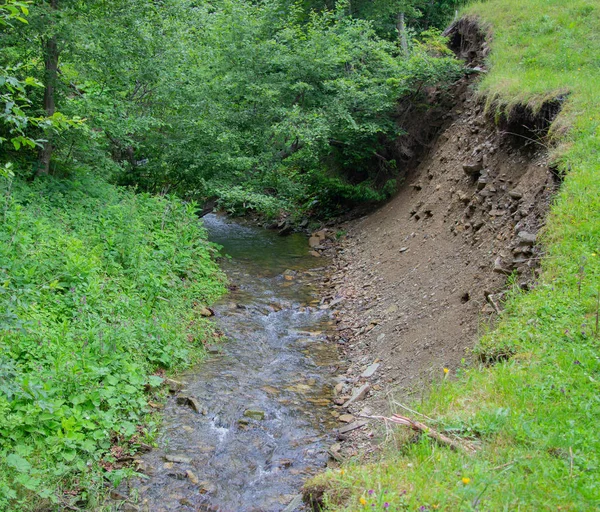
{"x": 413, "y": 283}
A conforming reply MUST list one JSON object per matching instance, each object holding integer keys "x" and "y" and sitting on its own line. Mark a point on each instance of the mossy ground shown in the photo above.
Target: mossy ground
{"x": 533, "y": 417}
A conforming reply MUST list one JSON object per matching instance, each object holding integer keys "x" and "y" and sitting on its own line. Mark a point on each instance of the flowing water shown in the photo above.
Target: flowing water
{"x": 275, "y": 362}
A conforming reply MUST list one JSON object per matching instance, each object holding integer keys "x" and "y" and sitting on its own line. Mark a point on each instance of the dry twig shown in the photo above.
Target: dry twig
{"x": 417, "y": 426}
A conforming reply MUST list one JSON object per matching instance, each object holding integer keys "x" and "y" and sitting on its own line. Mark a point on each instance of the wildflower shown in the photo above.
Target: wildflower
{"x": 446, "y": 371}
{"x": 342, "y": 471}
{"x": 465, "y": 480}
{"x": 371, "y": 491}
{"x": 386, "y": 505}
{"x": 362, "y": 501}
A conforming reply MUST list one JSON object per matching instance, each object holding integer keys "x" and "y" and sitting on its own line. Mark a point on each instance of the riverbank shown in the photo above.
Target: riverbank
{"x": 423, "y": 289}
{"x": 102, "y": 293}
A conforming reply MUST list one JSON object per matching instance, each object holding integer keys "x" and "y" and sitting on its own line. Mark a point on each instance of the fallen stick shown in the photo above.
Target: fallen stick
{"x": 417, "y": 426}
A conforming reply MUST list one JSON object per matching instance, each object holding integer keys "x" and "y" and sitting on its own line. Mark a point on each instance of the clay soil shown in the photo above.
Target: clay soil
{"x": 413, "y": 284}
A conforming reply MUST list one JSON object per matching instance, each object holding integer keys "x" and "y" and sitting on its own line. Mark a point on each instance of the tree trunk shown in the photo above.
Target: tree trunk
{"x": 402, "y": 33}
{"x": 50, "y": 79}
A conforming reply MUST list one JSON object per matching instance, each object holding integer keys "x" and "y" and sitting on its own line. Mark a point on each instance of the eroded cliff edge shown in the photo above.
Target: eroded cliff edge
{"x": 414, "y": 283}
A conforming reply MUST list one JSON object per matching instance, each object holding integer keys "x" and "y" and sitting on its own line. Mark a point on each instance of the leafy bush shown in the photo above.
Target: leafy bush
{"x": 97, "y": 291}
{"x": 238, "y": 201}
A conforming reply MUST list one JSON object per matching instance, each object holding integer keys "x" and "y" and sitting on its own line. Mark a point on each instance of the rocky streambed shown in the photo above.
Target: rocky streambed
{"x": 245, "y": 429}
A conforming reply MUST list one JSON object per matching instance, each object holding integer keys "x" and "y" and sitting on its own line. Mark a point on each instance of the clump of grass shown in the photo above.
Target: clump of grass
{"x": 534, "y": 415}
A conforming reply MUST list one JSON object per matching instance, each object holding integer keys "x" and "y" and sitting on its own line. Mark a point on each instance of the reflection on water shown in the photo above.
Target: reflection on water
{"x": 264, "y": 419}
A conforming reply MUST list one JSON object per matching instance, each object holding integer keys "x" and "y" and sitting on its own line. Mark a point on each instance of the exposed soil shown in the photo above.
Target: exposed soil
{"x": 413, "y": 283}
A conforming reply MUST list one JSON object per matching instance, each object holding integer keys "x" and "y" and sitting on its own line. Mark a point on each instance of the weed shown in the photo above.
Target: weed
{"x": 97, "y": 287}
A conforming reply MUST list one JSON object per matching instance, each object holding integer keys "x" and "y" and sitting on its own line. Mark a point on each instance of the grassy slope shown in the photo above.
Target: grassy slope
{"x": 97, "y": 290}
{"x": 535, "y": 417}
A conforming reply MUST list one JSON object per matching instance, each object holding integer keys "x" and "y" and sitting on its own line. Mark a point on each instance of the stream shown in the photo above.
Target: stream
{"x": 265, "y": 420}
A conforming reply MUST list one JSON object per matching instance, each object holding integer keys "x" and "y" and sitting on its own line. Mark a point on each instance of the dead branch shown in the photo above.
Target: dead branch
{"x": 417, "y": 426}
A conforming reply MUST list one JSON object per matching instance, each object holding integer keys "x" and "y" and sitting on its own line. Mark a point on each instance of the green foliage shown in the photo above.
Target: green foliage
{"x": 191, "y": 95}
{"x": 237, "y": 201}
{"x": 265, "y": 100}
{"x": 383, "y": 14}
{"x": 97, "y": 291}
{"x": 533, "y": 414}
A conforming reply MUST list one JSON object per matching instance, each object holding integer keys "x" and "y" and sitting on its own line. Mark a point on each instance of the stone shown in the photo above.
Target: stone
{"x": 338, "y": 388}
{"x": 463, "y": 197}
{"x": 353, "y": 426}
{"x": 192, "y": 477}
{"x": 359, "y": 394}
{"x": 285, "y": 228}
{"x": 116, "y": 495}
{"x": 392, "y": 309}
{"x": 206, "y": 312}
{"x": 207, "y": 487}
{"x": 319, "y": 401}
{"x": 271, "y": 390}
{"x": 370, "y": 371}
{"x": 315, "y": 254}
{"x": 213, "y": 349}
{"x": 335, "y": 302}
{"x": 255, "y": 414}
{"x": 335, "y": 454}
{"x": 195, "y": 404}
{"x": 473, "y": 168}
{"x": 346, "y": 418}
{"x": 174, "y": 385}
{"x": 515, "y": 194}
{"x": 314, "y": 241}
{"x": 499, "y": 266}
{"x": 180, "y": 459}
{"x": 526, "y": 238}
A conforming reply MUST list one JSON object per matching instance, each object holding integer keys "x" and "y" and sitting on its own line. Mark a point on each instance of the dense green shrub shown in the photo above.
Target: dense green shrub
{"x": 97, "y": 291}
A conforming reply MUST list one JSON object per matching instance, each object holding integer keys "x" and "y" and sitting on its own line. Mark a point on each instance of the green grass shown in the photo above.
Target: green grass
{"x": 98, "y": 287}
{"x": 534, "y": 417}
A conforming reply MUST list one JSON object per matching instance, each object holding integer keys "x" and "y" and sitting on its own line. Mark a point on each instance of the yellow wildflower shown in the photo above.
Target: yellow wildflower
{"x": 446, "y": 370}
{"x": 465, "y": 480}
{"x": 362, "y": 501}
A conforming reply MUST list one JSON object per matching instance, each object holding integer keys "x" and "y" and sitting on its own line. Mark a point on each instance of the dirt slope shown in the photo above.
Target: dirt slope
{"x": 414, "y": 282}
